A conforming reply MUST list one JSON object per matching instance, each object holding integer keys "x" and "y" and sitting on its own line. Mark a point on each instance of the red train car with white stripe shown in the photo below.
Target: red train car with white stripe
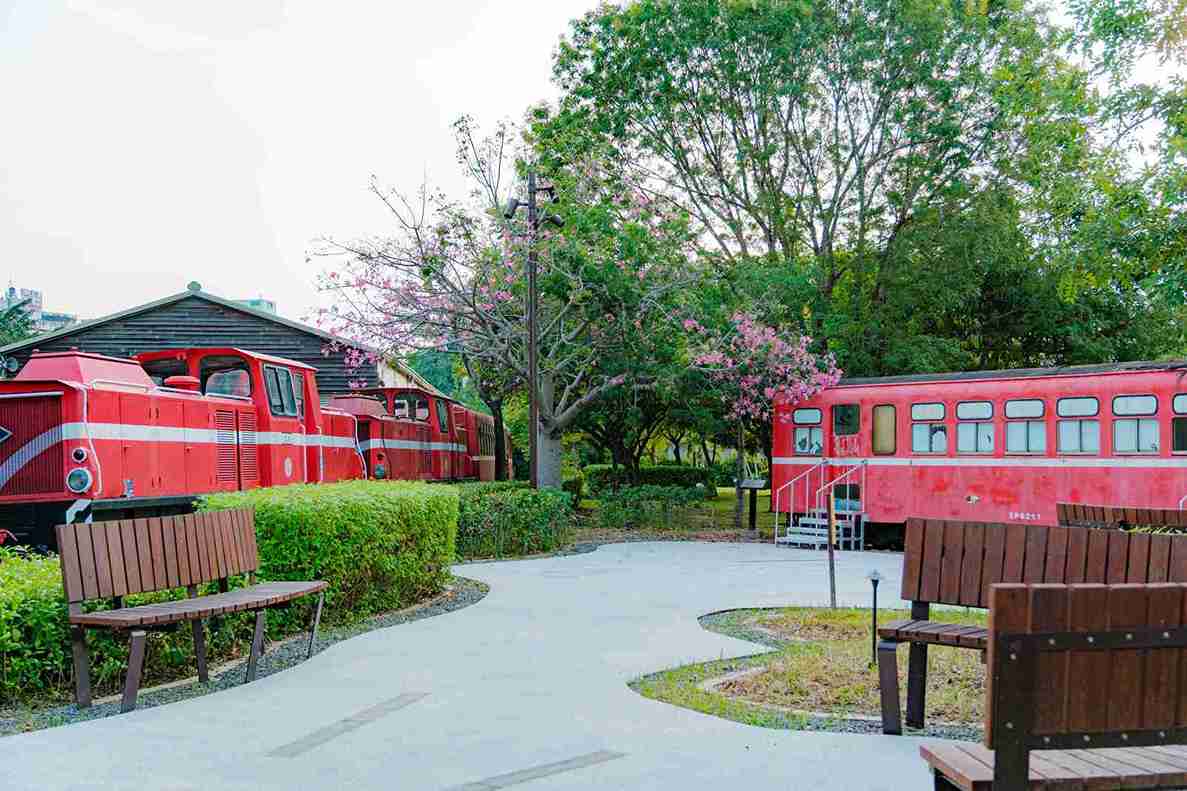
{"x": 84, "y": 435}
{"x": 412, "y": 434}
{"x": 998, "y": 446}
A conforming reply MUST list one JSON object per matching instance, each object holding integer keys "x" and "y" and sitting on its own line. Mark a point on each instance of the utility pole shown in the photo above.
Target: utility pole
{"x": 534, "y": 220}
{"x": 533, "y": 372}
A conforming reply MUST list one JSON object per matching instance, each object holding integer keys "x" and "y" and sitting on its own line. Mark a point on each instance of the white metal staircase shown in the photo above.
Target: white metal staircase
{"x": 807, "y": 496}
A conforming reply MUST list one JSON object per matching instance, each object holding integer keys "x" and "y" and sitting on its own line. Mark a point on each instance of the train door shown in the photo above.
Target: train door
{"x": 462, "y": 465}
{"x": 442, "y": 441}
{"x": 285, "y": 429}
{"x": 171, "y": 450}
{"x": 138, "y": 450}
{"x": 199, "y": 453}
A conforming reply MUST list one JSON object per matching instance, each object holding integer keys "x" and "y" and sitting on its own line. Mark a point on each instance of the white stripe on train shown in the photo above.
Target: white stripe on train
{"x": 1077, "y": 462}
{"x": 139, "y": 433}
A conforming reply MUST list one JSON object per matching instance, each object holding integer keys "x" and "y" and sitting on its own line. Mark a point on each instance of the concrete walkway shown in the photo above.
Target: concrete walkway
{"x": 524, "y": 690}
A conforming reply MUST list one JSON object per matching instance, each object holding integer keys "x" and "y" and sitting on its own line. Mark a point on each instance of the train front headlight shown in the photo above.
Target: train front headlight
{"x": 79, "y": 480}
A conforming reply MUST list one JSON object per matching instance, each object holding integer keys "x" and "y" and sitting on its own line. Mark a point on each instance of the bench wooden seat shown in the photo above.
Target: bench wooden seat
{"x": 970, "y": 767}
{"x": 1085, "y": 690}
{"x": 266, "y": 594}
{"x": 935, "y": 633}
{"x": 956, "y": 563}
{"x": 110, "y": 560}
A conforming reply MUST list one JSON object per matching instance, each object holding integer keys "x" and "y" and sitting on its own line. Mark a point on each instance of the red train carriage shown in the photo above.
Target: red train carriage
{"x": 408, "y": 433}
{"x": 1001, "y": 446}
{"x": 83, "y": 434}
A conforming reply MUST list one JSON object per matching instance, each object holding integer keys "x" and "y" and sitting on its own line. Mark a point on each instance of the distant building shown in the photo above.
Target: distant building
{"x": 194, "y": 318}
{"x": 43, "y": 320}
{"x": 259, "y": 303}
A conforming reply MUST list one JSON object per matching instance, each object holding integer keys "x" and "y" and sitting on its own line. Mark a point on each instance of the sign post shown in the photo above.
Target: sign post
{"x": 832, "y": 537}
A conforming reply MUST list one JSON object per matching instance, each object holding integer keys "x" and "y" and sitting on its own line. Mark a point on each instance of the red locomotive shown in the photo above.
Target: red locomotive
{"x": 999, "y": 446}
{"x": 411, "y": 434}
{"x": 84, "y": 436}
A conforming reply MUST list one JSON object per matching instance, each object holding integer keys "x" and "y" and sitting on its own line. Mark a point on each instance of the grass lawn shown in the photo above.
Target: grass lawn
{"x": 715, "y": 519}
{"x": 820, "y": 665}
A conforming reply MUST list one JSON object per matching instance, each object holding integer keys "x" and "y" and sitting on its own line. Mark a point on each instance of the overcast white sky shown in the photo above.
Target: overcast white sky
{"x": 147, "y": 143}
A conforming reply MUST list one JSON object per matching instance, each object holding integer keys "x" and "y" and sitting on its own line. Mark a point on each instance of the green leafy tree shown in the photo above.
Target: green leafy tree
{"x": 15, "y": 323}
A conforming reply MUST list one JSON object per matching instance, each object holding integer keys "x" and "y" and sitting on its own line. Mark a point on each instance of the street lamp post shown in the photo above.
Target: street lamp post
{"x": 534, "y": 220}
{"x": 874, "y": 577}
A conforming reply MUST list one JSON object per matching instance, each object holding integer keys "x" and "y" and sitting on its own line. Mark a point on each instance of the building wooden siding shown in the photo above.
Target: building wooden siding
{"x": 195, "y": 322}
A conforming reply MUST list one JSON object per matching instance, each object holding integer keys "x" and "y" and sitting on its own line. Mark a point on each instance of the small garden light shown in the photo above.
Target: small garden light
{"x": 874, "y": 577}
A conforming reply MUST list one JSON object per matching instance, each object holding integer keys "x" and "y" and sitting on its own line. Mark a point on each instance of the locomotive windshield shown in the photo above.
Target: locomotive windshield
{"x": 225, "y": 375}
{"x": 409, "y": 407}
{"x": 160, "y": 370}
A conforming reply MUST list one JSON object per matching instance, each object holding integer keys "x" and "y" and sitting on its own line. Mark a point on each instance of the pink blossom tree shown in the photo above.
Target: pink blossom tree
{"x": 452, "y": 275}
{"x": 755, "y": 367}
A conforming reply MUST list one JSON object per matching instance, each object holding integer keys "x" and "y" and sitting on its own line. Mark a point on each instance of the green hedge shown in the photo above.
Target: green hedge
{"x": 603, "y": 477}
{"x": 380, "y": 544}
{"x": 506, "y": 518}
{"x": 648, "y": 507}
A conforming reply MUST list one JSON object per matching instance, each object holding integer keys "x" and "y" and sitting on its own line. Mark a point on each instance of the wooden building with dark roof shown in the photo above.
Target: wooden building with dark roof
{"x": 195, "y": 318}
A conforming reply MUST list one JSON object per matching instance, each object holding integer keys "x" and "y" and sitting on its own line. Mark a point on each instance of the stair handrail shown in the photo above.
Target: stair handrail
{"x": 818, "y": 466}
{"x": 831, "y": 484}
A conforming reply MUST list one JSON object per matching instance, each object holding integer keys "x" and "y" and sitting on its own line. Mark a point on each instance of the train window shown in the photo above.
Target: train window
{"x": 421, "y": 409}
{"x": 1077, "y": 407}
{"x": 885, "y": 424}
{"x": 160, "y": 370}
{"x": 442, "y": 416}
{"x": 806, "y": 417}
{"x": 272, "y": 386}
{"x": 1024, "y": 408}
{"x": 279, "y": 384}
{"x": 1135, "y": 405}
{"x": 1079, "y": 436}
{"x": 846, "y": 420}
{"x": 974, "y": 410}
{"x": 1179, "y": 404}
{"x": 929, "y": 438}
{"x": 400, "y": 408}
{"x": 224, "y": 375}
{"x": 809, "y": 441}
{"x": 927, "y": 411}
{"x": 1135, "y": 435}
{"x": 1026, "y": 436}
{"x": 299, "y": 391}
{"x": 974, "y": 437}
{"x": 1179, "y": 435}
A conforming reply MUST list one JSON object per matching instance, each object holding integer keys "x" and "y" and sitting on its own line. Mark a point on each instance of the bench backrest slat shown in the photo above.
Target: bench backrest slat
{"x": 1108, "y": 516}
{"x": 107, "y": 559}
{"x": 957, "y": 562}
{"x": 1052, "y": 692}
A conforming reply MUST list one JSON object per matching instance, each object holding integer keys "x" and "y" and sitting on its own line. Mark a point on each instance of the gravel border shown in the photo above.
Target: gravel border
{"x": 279, "y": 656}
{"x": 727, "y": 622}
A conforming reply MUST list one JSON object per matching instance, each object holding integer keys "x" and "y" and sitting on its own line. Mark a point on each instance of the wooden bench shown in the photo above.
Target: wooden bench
{"x": 109, "y": 560}
{"x": 1085, "y": 689}
{"x": 955, "y": 563}
{"x": 1111, "y": 516}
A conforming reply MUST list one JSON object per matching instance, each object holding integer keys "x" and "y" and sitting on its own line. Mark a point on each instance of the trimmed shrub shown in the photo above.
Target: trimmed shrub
{"x": 504, "y": 519}
{"x": 380, "y": 544}
{"x": 648, "y": 507}
{"x": 602, "y": 477}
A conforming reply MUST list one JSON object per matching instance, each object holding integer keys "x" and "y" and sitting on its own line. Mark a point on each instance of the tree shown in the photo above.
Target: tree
{"x": 754, "y": 367}
{"x": 453, "y": 275}
{"x": 810, "y": 133}
{"x": 15, "y": 323}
